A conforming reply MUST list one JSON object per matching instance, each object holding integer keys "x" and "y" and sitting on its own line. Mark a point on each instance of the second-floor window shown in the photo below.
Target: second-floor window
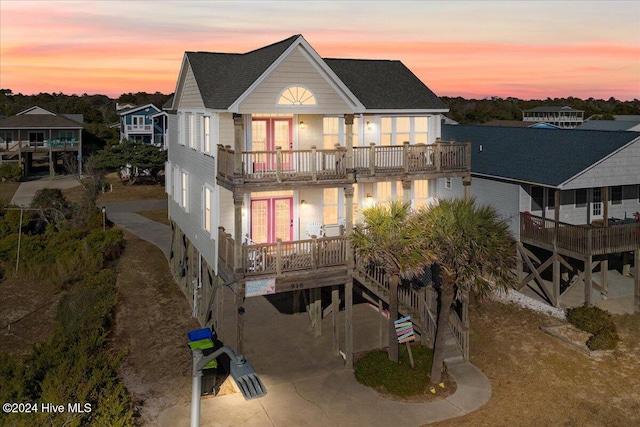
{"x": 207, "y": 204}
{"x": 396, "y": 130}
{"x": 206, "y": 137}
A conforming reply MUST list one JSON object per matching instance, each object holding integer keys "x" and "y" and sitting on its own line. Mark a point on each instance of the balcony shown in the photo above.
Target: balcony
{"x": 303, "y": 262}
{"x": 138, "y": 128}
{"x": 584, "y": 240}
{"x": 330, "y": 166}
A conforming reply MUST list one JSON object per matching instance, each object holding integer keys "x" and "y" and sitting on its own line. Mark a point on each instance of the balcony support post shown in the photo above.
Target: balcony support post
{"x": 604, "y": 263}
{"x": 348, "y": 141}
{"x": 279, "y": 164}
{"x": 238, "y": 144}
{"x": 636, "y": 281}
{"x": 238, "y": 264}
{"x": 314, "y": 165}
{"x": 279, "y": 257}
{"x": 372, "y": 158}
{"x": 348, "y": 286}
{"x": 466, "y": 184}
{"x": 556, "y": 256}
{"x": 335, "y": 311}
{"x": 405, "y": 156}
{"x": 406, "y": 191}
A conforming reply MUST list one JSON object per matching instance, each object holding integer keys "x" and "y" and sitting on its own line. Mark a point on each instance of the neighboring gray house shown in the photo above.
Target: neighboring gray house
{"x": 539, "y": 177}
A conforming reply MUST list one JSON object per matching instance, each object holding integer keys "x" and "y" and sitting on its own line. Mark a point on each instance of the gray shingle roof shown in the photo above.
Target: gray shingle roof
{"x": 608, "y": 125}
{"x": 383, "y": 84}
{"x": 543, "y": 156}
{"x": 39, "y": 121}
{"x": 223, "y": 77}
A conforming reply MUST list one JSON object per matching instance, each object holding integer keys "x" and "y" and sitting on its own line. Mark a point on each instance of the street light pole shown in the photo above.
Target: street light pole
{"x": 241, "y": 371}
{"x": 104, "y": 218}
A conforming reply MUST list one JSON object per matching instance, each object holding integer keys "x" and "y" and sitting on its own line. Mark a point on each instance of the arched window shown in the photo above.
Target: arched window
{"x": 296, "y": 95}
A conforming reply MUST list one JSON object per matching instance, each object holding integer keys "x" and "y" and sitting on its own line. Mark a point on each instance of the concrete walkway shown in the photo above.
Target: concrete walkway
{"x": 24, "y": 195}
{"x": 306, "y": 384}
{"x": 124, "y": 215}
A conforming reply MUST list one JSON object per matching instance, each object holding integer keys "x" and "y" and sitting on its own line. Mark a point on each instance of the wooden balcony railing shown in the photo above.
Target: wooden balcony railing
{"x": 281, "y": 257}
{"x": 581, "y": 239}
{"x": 317, "y": 165}
{"x": 406, "y": 158}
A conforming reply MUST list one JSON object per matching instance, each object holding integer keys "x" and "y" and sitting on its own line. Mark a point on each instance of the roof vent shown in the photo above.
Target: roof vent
{"x": 480, "y": 149}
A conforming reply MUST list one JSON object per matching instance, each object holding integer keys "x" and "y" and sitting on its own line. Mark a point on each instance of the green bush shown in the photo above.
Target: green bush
{"x": 597, "y": 322}
{"x": 10, "y": 172}
{"x": 605, "y": 339}
{"x": 399, "y": 379}
{"x": 75, "y": 365}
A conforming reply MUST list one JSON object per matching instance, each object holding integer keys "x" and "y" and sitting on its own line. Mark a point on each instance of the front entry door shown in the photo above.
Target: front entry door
{"x": 596, "y": 204}
{"x": 271, "y": 219}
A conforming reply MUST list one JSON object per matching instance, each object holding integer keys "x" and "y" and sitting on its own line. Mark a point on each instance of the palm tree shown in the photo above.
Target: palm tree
{"x": 389, "y": 239}
{"x": 475, "y": 252}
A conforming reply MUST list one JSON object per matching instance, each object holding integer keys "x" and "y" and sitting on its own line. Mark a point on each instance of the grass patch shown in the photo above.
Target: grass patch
{"x": 375, "y": 370}
{"x": 158, "y": 215}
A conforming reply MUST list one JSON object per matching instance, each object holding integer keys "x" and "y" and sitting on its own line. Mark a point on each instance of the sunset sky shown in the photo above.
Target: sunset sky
{"x": 474, "y": 49}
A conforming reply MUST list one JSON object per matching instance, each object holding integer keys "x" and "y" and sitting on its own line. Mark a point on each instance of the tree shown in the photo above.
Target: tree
{"x": 475, "y": 253}
{"x": 132, "y": 159}
{"x": 391, "y": 239}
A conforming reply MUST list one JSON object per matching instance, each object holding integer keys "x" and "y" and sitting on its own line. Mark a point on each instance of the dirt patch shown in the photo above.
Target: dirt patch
{"x": 27, "y": 314}
{"x": 152, "y": 322}
{"x": 538, "y": 380}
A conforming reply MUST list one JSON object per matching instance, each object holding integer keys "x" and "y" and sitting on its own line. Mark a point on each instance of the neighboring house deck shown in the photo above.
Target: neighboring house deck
{"x": 39, "y": 135}
{"x": 573, "y": 193}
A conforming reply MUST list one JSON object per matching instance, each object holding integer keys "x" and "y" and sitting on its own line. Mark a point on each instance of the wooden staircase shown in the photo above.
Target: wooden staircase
{"x": 412, "y": 302}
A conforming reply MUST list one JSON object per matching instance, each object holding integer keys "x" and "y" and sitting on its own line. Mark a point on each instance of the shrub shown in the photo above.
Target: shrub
{"x": 399, "y": 379}
{"x": 10, "y": 172}
{"x": 605, "y": 339}
{"x": 597, "y": 322}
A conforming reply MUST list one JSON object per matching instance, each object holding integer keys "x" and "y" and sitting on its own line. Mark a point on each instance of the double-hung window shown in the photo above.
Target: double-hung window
{"x": 207, "y": 205}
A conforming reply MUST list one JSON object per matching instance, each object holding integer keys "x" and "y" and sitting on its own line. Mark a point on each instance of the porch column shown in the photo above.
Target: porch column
{"x": 604, "y": 263}
{"x": 238, "y": 144}
{"x": 588, "y": 267}
{"x": 238, "y": 199}
{"x": 239, "y": 300}
{"x": 315, "y": 311}
{"x": 466, "y": 184}
{"x": 348, "y": 286}
{"x": 636, "y": 281}
{"x": 335, "y": 311}
{"x": 556, "y": 256}
{"x": 406, "y": 191}
{"x": 348, "y": 142}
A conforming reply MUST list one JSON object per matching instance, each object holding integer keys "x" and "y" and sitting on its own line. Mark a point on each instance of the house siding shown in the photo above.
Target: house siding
{"x": 190, "y": 96}
{"x": 201, "y": 171}
{"x": 294, "y": 70}
{"x": 619, "y": 169}
{"x": 503, "y": 196}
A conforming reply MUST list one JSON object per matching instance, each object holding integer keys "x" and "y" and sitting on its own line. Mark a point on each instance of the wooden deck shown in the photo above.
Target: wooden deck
{"x": 317, "y": 262}
{"x": 578, "y": 240}
{"x": 262, "y": 168}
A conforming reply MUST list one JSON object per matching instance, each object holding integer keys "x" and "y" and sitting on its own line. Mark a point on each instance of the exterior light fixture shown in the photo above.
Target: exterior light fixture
{"x": 301, "y": 124}
{"x": 369, "y": 126}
